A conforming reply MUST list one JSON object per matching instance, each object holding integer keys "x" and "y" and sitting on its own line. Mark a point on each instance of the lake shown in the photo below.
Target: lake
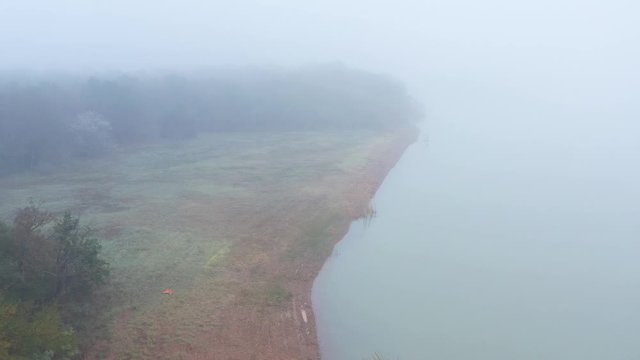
{"x": 510, "y": 230}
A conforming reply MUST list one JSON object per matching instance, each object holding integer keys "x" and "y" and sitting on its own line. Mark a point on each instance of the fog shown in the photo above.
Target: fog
{"x": 572, "y": 53}
{"x": 530, "y": 141}
{"x": 408, "y": 37}
{"x": 580, "y": 55}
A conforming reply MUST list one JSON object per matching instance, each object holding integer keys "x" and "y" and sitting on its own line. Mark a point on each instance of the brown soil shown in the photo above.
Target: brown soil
{"x": 255, "y": 305}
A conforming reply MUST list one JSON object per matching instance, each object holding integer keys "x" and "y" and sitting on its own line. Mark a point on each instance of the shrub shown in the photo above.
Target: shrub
{"x": 32, "y": 332}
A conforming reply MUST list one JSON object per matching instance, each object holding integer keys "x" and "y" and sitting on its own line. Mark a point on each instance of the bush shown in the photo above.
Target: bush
{"x": 31, "y": 332}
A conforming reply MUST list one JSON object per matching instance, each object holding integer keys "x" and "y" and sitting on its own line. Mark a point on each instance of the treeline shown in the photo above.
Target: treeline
{"x": 44, "y": 121}
{"x": 48, "y": 267}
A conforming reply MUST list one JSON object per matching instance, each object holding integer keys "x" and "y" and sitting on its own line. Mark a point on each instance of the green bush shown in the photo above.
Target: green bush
{"x": 32, "y": 332}
{"x": 47, "y": 265}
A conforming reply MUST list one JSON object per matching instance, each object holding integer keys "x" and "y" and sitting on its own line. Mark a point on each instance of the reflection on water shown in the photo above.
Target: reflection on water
{"x": 512, "y": 233}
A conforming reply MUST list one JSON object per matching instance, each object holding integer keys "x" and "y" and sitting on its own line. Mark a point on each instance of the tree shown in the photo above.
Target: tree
{"x": 91, "y": 134}
{"x": 29, "y": 252}
{"x": 43, "y": 263}
{"x": 79, "y": 269}
{"x": 8, "y": 265}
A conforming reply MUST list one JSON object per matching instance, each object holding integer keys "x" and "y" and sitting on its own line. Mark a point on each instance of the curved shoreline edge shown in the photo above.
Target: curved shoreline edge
{"x": 258, "y": 305}
{"x": 381, "y": 161}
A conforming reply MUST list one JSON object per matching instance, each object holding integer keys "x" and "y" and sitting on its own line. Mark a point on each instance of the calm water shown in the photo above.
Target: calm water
{"x": 507, "y": 232}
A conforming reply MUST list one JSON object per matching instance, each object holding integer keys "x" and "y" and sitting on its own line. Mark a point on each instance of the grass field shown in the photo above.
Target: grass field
{"x": 216, "y": 218}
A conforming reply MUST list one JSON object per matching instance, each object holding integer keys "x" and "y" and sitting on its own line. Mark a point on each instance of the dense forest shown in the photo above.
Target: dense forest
{"x": 47, "y": 120}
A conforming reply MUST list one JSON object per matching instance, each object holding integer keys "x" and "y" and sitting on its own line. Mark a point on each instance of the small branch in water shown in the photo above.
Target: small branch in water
{"x": 369, "y": 213}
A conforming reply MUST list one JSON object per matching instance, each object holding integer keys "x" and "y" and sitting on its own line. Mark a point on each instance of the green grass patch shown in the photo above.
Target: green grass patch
{"x": 219, "y": 257}
{"x": 276, "y": 294}
{"x": 315, "y": 236}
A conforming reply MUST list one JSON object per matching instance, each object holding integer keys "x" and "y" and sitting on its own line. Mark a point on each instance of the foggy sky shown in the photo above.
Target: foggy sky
{"x": 575, "y": 54}
{"x": 406, "y": 38}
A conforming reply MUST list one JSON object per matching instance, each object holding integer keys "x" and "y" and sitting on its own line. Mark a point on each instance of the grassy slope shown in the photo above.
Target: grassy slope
{"x": 221, "y": 219}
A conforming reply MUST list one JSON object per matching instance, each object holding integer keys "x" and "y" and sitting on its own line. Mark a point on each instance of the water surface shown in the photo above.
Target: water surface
{"x": 509, "y": 231}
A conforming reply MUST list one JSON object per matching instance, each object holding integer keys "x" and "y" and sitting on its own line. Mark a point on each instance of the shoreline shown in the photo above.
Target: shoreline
{"x": 254, "y": 302}
{"x": 288, "y": 331}
{"x": 382, "y": 161}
